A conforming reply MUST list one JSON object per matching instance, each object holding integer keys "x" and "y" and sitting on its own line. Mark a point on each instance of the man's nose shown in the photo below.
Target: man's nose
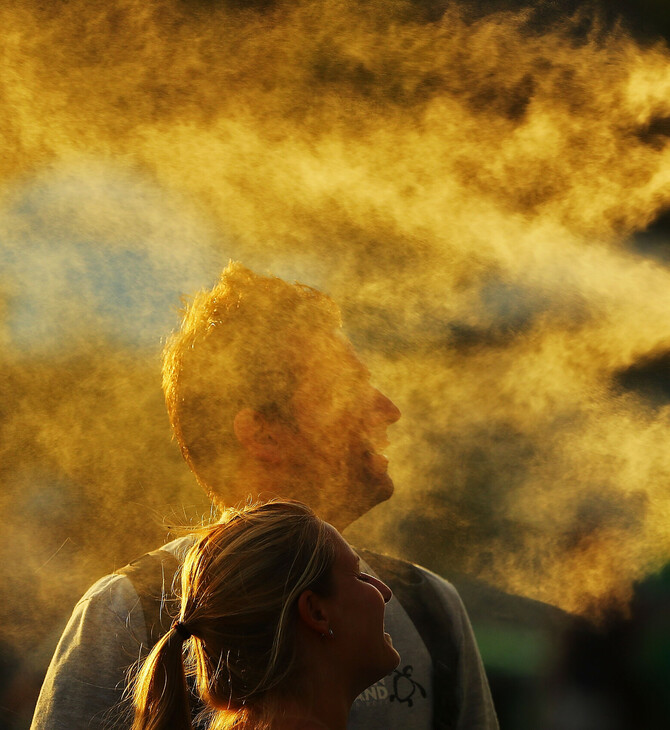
{"x": 386, "y": 407}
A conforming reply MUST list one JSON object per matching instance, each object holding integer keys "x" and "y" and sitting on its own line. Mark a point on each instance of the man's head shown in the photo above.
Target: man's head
{"x": 266, "y": 397}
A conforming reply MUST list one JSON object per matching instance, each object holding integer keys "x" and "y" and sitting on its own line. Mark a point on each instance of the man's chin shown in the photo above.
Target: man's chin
{"x": 386, "y": 487}
{"x": 360, "y": 496}
{"x": 377, "y": 488}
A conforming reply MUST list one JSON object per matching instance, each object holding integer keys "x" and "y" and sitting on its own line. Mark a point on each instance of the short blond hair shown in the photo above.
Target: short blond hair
{"x": 241, "y": 344}
{"x": 240, "y": 588}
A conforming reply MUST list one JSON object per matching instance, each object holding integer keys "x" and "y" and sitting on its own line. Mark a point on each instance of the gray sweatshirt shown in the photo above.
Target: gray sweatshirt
{"x": 105, "y": 636}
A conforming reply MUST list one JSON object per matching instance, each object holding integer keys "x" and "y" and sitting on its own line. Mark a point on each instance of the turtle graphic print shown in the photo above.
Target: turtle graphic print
{"x": 404, "y": 687}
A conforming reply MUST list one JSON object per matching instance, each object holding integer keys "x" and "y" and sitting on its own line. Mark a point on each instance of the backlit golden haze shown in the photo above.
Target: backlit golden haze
{"x": 464, "y": 190}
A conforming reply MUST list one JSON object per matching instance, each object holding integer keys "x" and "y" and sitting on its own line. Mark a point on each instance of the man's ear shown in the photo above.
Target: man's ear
{"x": 313, "y": 612}
{"x": 257, "y": 436}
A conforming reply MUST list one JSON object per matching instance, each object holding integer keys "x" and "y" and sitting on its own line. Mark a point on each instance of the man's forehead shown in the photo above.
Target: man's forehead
{"x": 337, "y": 349}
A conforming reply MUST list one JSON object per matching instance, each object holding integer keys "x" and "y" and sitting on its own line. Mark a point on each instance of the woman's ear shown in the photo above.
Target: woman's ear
{"x": 313, "y": 612}
{"x": 257, "y": 436}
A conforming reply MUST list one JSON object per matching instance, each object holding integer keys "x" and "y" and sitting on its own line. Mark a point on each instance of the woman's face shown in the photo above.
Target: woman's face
{"x": 356, "y": 608}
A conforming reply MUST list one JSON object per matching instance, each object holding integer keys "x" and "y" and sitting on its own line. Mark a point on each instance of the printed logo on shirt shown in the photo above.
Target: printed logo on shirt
{"x": 377, "y": 693}
{"x": 406, "y": 689}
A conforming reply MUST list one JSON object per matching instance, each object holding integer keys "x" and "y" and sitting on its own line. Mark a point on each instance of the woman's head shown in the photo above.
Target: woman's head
{"x": 267, "y": 592}
{"x": 240, "y": 587}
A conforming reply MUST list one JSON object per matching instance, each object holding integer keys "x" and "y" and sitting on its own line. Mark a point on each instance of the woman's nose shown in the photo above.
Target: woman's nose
{"x": 386, "y": 592}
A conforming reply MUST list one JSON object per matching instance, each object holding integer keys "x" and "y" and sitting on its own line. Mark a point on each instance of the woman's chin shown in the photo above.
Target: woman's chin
{"x": 394, "y": 657}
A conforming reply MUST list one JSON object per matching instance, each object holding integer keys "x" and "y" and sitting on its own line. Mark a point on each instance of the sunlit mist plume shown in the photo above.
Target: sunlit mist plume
{"x": 467, "y": 190}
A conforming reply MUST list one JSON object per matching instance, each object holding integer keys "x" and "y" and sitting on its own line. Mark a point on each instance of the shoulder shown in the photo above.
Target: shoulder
{"x": 485, "y": 603}
{"x": 107, "y": 632}
{"x": 154, "y": 572}
{"x": 113, "y": 593}
{"x": 180, "y": 546}
{"x": 173, "y": 553}
{"x": 118, "y": 595}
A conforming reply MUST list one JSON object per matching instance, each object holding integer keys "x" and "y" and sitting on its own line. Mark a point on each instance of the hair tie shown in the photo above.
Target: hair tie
{"x": 181, "y": 629}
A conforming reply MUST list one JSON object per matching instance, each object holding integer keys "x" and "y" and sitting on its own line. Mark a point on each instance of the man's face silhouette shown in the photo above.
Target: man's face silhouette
{"x": 340, "y": 428}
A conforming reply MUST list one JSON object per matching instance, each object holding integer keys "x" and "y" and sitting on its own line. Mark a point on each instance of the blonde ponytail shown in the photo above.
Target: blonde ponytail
{"x": 240, "y": 586}
{"x": 161, "y": 695}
